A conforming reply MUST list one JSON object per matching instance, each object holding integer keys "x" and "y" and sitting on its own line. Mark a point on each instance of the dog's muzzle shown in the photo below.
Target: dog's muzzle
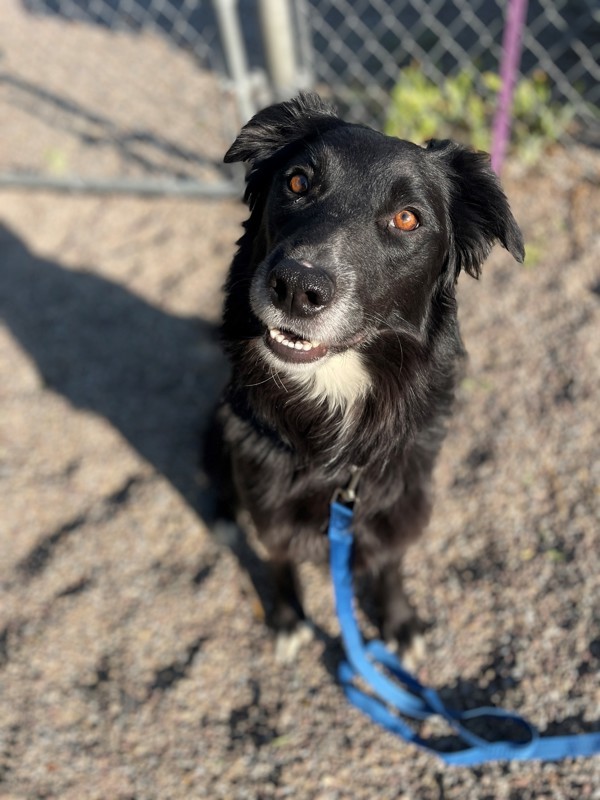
{"x": 298, "y": 292}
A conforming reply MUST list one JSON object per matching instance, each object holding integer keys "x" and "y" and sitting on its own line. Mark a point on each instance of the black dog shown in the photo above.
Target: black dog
{"x": 340, "y": 324}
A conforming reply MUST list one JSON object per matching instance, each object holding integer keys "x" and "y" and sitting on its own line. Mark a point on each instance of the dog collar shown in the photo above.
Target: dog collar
{"x": 348, "y": 494}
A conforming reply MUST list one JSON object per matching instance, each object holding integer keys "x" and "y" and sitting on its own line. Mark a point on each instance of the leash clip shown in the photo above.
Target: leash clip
{"x": 347, "y": 495}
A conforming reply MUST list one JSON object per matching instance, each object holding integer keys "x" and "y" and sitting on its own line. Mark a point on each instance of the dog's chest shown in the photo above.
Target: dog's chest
{"x": 340, "y": 382}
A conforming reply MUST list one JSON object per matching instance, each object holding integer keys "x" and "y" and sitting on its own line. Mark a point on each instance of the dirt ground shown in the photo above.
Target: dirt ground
{"x": 133, "y": 659}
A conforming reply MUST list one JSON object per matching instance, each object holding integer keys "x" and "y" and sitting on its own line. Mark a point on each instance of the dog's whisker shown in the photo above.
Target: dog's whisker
{"x": 276, "y": 377}
{"x": 246, "y": 281}
{"x": 374, "y": 317}
{"x": 260, "y": 383}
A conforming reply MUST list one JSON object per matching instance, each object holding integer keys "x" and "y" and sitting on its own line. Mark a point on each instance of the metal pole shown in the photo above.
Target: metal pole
{"x": 235, "y": 55}
{"x": 142, "y": 186}
{"x": 280, "y": 45}
{"x": 306, "y": 54}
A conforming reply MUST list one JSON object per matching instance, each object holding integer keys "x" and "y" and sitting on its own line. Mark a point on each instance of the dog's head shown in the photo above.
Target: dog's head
{"x": 355, "y": 233}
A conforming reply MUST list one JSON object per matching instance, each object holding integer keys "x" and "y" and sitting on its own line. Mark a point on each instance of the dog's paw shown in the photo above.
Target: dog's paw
{"x": 413, "y": 654}
{"x": 408, "y": 642}
{"x": 289, "y": 642}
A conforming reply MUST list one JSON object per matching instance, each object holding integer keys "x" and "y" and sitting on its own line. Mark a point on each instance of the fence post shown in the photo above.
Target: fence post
{"x": 280, "y": 46}
{"x": 235, "y": 55}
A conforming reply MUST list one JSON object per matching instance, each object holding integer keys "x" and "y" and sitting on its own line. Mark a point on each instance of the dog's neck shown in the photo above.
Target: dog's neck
{"x": 360, "y": 407}
{"x": 320, "y": 416}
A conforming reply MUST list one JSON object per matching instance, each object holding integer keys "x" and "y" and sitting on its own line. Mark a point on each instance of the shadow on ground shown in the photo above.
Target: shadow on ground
{"x": 138, "y": 146}
{"x": 153, "y": 375}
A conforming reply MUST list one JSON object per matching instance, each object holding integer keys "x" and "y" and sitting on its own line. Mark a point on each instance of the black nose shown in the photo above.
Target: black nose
{"x": 298, "y": 289}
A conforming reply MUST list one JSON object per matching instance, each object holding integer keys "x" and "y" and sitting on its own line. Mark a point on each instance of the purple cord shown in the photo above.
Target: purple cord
{"x": 511, "y": 57}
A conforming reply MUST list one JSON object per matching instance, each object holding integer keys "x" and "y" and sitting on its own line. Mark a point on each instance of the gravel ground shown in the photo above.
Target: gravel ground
{"x": 133, "y": 659}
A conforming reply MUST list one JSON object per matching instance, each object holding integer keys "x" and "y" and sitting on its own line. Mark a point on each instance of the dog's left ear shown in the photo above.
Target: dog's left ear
{"x": 479, "y": 212}
{"x": 280, "y": 126}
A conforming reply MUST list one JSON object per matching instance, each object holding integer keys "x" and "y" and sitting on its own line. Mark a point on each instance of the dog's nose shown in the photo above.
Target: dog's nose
{"x": 300, "y": 289}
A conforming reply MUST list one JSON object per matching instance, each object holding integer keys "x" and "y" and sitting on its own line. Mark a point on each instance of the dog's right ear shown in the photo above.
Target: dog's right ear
{"x": 281, "y": 125}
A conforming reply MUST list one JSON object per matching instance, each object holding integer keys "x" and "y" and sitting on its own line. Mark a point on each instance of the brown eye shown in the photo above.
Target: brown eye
{"x": 405, "y": 220}
{"x": 299, "y": 183}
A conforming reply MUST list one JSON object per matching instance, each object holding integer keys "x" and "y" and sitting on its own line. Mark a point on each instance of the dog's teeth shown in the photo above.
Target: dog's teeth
{"x": 297, "y": 344}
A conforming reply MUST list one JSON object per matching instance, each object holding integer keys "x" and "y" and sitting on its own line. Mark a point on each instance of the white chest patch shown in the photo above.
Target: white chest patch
{"x": 340, "y": 380}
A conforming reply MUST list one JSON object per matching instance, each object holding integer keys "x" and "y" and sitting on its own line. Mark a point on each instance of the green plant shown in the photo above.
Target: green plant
{"x": 463, "y": 109}
{"x": 56, "y": 161}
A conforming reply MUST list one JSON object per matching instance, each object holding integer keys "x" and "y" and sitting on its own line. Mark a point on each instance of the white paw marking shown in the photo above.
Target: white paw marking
{"x": 288, "y": 644}
{"x": 414, "y": 655}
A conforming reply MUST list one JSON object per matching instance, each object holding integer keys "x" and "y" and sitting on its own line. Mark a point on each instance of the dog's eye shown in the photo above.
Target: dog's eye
{"x": 405, "y": 220}
{"x": 299, "y": 183}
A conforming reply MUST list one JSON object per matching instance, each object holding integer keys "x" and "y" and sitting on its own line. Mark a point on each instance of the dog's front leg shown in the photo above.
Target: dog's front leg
{"x": 287, "y": 606}
{"x": 398, "y": 621}
{"x": 287, "y": 619}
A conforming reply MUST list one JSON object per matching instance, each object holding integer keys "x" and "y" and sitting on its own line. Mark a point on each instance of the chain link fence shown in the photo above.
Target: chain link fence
{"x": 146, "y": 95}
{"x": 360, "y": 47}
{"x": 114, "y": 95}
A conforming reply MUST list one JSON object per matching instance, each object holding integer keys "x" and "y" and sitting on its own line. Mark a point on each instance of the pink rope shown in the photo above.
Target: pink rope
{"x": 511, "y": 57}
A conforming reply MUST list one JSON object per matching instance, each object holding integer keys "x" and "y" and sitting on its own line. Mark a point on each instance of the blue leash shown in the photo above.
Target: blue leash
{"x": 406, "y": 696}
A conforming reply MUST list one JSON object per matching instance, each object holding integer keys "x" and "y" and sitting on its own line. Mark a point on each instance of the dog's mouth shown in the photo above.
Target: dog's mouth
{"x": 292, "y": 348}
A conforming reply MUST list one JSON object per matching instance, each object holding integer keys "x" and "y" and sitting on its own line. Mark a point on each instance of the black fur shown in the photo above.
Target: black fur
{"x": 394, "y": 305}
